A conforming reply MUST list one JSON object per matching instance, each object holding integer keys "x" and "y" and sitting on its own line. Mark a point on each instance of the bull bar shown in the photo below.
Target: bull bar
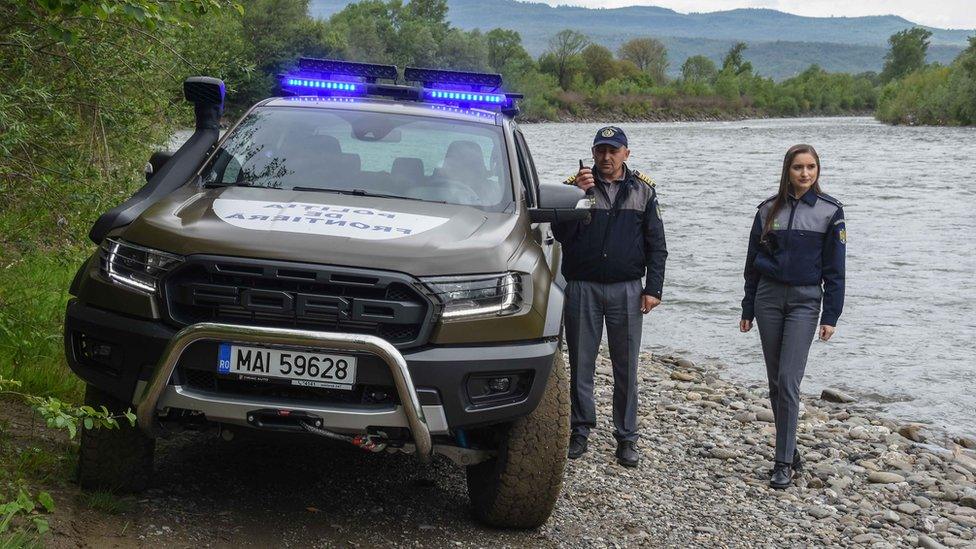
{"x": 210, "y": 331}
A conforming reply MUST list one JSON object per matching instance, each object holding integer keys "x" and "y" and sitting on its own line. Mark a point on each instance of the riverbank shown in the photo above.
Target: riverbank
{"x": 706, "y": 448}
{"x": 668, "y": 115}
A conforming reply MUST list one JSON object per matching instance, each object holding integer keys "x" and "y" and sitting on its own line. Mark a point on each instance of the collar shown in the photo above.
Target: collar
{"x": 809, "y": 198}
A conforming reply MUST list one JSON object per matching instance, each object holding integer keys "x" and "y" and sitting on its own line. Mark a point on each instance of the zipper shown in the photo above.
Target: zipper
{"x": 613, "y": 209}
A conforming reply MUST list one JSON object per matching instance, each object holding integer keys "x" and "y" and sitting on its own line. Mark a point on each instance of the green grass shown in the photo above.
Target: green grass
{"x": 33, "y": 294}
{"x": 106, "y": 502}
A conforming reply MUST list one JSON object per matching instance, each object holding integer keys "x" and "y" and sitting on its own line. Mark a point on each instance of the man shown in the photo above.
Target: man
{"x": 604, "y": 259}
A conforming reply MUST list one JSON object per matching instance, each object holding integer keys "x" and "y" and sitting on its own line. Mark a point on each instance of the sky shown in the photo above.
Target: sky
{"x": 946, "y": 14}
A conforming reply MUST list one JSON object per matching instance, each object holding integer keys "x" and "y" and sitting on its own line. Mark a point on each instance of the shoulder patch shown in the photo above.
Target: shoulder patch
{"x": 830, "y": 199}
{"x": 646, "y": 179}
{"x": 571, "y": 180}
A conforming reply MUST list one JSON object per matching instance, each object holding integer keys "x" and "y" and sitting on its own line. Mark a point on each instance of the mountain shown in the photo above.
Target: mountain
{"x": 780, "y": 44}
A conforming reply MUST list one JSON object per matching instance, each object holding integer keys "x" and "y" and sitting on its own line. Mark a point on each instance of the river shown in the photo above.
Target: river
{"x": 907, "y": 338}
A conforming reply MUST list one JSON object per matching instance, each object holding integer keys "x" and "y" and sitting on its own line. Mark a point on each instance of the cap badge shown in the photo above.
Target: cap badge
{"x": 607, "y": 132}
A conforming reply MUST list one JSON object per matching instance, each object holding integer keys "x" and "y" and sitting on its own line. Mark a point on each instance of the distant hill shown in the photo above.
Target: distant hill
{"x": 780, "y": 44}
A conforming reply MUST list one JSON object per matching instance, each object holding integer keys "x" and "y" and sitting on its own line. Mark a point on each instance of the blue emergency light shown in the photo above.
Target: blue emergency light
{"x": 328, "y": 77}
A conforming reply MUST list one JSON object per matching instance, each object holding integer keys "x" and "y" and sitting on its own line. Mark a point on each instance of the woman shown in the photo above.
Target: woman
{"x": 795, "y": 261}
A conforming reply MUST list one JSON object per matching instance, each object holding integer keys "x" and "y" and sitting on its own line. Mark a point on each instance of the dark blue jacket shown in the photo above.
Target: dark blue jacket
{"x": 805, "y": 247}
{"x": 622, "y": 240}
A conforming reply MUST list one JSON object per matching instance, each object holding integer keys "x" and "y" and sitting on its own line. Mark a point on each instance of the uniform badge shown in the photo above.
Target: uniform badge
{"x": 607, "y": 132}
{"x": 843, "y": 236}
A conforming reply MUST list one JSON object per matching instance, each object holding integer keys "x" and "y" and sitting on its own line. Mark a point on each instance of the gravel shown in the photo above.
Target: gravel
{"x": 706, "y": 451}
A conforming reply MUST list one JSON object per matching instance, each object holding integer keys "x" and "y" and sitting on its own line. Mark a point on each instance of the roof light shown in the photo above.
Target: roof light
{"x": 329, "y": 87}
{"x": 370, "y": 71}
{"x": 468, "y": 98}
{"x": 462, "y": 78}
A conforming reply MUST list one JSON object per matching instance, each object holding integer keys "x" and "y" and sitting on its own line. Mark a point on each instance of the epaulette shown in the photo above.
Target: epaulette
{"x": 571, "y": 180}
{"x": 646, "y": 179}
{"x": 830, "y": 199}
{"x": 767, "y": 201}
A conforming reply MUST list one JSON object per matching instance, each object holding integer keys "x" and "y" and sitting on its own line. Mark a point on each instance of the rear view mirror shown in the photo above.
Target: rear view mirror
{"x": 560, "y": 203}
{"x": 156, "y": 162}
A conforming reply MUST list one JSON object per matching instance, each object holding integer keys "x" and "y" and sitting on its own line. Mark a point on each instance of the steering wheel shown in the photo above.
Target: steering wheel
{"x": 467, "y": 194}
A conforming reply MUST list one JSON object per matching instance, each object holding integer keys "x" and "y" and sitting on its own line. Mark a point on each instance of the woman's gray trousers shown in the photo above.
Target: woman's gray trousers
{"x": 787, "y": 318}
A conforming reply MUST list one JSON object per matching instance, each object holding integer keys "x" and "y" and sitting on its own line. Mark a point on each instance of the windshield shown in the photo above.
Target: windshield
{"x": 366, "y": 152}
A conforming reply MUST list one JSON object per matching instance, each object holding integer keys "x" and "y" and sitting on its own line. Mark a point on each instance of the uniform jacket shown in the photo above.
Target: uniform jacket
{"x": 805, "y": 247}
{"x": 622, "y": 240}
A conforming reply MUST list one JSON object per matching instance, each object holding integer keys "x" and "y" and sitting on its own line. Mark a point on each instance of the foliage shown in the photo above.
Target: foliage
{"x": 600, "y": 64}
{"x": 906, "y": 54}
{"x": 699, "y": 68}
{"x": 562, "y": 55}
{"x": 935, "y": 94}
{"x": 734, "y": 61}
{"x": 649, "y": 55}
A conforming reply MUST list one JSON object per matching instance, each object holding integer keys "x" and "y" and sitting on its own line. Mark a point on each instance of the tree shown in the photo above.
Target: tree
{"x": 599, "y": 63}
{"x": 503, "y": 46}
{"x": 563, "y": 46}
{"x": 907, "y": 53}
{"x": 735, "y": 62}
{"x": 650, "y": 56}
{"x": 699, "y": 68}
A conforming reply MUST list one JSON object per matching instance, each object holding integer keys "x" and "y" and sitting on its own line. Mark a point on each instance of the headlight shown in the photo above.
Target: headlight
{"x": 135, "y": 266}
{"x": 479, "y": 296}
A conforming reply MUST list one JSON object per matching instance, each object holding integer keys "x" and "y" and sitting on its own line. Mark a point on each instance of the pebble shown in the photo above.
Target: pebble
{"x": 912, "y": 431}
{"x": 745, "y": 416}
{"x": 882, "y": 477}
{"x": 766, "y": 416}
{"x": 929, "y": 543}
{"x": 835, "y": 395}
{"x": 678, "y": 375}
{"x": 723, "y": 453}
{"x": 908, "y": 508}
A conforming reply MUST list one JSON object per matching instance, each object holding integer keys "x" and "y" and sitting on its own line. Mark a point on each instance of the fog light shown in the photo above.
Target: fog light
{"x": 499, "y": 385}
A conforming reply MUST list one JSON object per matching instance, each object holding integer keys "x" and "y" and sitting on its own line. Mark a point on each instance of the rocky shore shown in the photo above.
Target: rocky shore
{"x": 707, "y": 448}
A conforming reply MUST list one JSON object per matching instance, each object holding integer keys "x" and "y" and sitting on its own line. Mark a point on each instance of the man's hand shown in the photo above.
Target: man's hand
{"x": 584, "y": 179}
{"x": 826, "y": 332}
{"x": 648, "y": 302}
{"x": 745, "y": 325}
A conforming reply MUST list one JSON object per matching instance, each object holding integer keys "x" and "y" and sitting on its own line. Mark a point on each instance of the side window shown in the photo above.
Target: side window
{"x": 530, "y": 179}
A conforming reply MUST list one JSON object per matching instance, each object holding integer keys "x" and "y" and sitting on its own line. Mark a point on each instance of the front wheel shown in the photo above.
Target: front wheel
{"x": 519, "y": 488}
{"x": 117, "y": 460}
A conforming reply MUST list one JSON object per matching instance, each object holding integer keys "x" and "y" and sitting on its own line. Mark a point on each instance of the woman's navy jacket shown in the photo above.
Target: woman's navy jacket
{"x": 622, "y": 240}
{"x": 805, "y": 247}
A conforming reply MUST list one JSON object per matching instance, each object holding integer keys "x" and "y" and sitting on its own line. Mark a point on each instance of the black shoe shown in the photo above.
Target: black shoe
{"x": 797, "y": 464}
{"x": 782, "y": 476}
{"x": 627, "y": 453}
{"x": 577, "y": 446}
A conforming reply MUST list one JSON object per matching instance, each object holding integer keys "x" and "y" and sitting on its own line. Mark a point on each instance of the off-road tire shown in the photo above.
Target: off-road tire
{"x": 519, "y": 488}
{"x": 117, "y": 460}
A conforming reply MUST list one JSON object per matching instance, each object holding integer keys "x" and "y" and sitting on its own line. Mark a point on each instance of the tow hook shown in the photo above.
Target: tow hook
{"x": 368, "y": 442}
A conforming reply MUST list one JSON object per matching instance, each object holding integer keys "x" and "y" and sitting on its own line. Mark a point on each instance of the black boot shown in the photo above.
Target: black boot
{"x": 782, "y": 476}
{"x": 797, "y": 465}
{"x": 577, "y": 446}
{"x": 627, "y": 453}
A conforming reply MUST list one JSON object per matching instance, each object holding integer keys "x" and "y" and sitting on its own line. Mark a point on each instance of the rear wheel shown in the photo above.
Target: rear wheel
{"x": 118, "y": 460}
{"x": 519, "y": 488}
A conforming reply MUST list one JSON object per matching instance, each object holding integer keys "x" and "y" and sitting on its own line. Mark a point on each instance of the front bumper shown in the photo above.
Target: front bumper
{"x": 440, "y": 376}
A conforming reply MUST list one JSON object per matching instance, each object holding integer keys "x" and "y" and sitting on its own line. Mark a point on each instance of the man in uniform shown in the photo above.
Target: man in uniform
{"x": 604, "y": 259}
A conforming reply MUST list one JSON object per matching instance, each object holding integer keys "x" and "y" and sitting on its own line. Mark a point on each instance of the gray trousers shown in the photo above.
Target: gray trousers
{"x": 588, "y": 306}
{"x": 787, "y": 318}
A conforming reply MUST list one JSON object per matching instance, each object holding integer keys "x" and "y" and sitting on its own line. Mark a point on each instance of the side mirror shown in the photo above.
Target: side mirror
{"x": 156, "y": 162}
{"x": 560, "y": 203}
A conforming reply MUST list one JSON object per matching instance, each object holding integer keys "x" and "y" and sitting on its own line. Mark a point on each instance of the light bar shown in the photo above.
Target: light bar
{"x": 468, "y": 97}
{"x": 462, "y": 78}
{"x": 348, "y": 68}
{"x": 318, "y": 84}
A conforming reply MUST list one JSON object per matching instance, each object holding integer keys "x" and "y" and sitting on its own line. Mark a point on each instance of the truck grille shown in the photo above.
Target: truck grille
{"x": 295, "y": 295}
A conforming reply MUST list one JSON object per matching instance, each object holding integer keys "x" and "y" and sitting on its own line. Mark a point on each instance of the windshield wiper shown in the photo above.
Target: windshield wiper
{"x": 360, "y": 192}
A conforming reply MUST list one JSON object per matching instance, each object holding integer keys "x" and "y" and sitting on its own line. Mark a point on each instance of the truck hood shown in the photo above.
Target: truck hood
{"x": 418, "y": 238}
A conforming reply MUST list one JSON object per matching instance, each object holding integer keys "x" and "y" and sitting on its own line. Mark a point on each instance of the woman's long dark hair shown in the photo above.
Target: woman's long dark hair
{"x": 784, "y": 182}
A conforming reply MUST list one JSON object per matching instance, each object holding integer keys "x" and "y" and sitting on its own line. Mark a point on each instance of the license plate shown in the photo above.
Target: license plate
{"x": 297, "y": 367}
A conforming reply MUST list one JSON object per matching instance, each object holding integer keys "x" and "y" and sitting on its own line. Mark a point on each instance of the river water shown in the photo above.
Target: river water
{"x": 907, "y": 338}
